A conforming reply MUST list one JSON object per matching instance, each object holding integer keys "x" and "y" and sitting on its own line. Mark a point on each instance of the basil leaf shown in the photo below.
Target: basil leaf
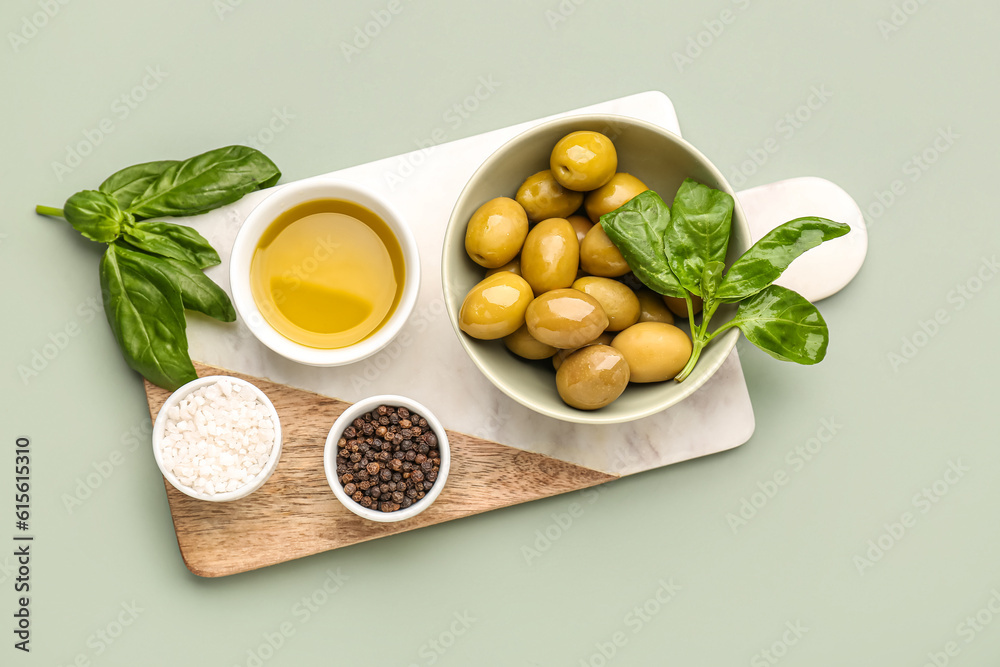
{"x": 765, "y": 261}
{"x": 95, "y": 215}
{"x": 197, "y": 291}
{"x": 147, "y": 319}
{"x": 130, "y": 182}
{"x": 170, "y": 240}
{"x": 783, "y": 324}
{"x": 710, "y": 279}
{"x": 698, "y": 232}
{"x": 637, "y": 228}
{"x": 206, "y": 182}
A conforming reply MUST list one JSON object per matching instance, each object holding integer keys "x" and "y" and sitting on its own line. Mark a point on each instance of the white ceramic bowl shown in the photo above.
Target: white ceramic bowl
{"x": 662, "y": 160}
{"x": 281, "y": 200}
{"x": 161, "y": 422}
{"x": 355, "y": 411}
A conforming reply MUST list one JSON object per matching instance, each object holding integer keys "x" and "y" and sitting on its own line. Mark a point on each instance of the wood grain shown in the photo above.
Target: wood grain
{"x": 295, "y": 513}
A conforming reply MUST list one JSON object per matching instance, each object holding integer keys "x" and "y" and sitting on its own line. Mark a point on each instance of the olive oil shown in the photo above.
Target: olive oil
{"x": 327, "y": 273}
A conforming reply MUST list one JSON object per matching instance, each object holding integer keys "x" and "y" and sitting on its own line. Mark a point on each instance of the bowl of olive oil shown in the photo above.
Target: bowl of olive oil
{"x": 324, "y": 272}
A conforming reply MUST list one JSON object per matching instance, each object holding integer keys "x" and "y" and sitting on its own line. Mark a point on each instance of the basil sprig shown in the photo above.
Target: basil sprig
{"x": 152, "y": 270}
{"x": 682, "y": 253}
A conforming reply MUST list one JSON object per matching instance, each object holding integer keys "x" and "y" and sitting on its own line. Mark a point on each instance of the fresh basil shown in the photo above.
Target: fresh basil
{"x": 152, "y": 270}
{"x": 682, "y": 252}
{"x": 205, "y": 182}
{"x": 197, "y": 290}
{"x": 710, "y": 278}
{"x": 784, "y": 324}
{"x": 147, "y": 318}
{"x": 767, "y": 259}
{"x": 130, "y": 182}
{"x": 698, "y": 232}
{"x": 95, "y": 215}
{"x": 171, "y": 240}
{"x": 637, "y": 229}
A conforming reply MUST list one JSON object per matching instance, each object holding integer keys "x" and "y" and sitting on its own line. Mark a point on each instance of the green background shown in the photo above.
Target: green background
{"x": 229, "y": 67}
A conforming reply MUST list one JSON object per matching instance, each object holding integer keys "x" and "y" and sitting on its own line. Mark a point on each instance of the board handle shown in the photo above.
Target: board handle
{"x": 824, "y": 270}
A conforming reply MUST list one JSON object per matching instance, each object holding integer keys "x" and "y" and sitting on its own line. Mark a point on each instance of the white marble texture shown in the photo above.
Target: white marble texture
{"x": 426, "y": 362}
{"x": 824, "y": 270}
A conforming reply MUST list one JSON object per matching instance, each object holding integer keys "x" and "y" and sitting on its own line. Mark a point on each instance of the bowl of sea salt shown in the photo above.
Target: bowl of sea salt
{"x": 217, "y": 438}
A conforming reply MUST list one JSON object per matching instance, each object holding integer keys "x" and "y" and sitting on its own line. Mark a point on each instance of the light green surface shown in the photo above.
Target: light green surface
{"x": 897, "y": 428}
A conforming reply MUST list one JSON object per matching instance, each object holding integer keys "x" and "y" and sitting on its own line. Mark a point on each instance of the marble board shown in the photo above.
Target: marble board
{"x": 427, "y": 363}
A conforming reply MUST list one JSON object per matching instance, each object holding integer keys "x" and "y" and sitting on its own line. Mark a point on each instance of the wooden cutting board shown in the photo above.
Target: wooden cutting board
{"x": 295, "y": 513}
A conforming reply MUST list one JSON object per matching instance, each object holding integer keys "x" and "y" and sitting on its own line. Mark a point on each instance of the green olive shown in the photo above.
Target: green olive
{"x": 655, "y": 351}
{"x": 543, "y": 198}
{"x": 599, "y": 256}
{"x": 593, "y": 377}
{"x": 496, "y": 232}
{"x": 523, "y": 345}
{"x": 621, "y": 188}
{"x": 495, "y": 307}
{"x": 619, "y": 302}
{"x": 581, "y": 224}
{"x": 565, "y": 318}
{"x": 514, "y": 266}
{"x": 652, "y": 308}
{"x": 551, "y": 255}
{"x": 678, "y": 306}
{"x": 583, "y": 161}
{"x": 560, "y": 356}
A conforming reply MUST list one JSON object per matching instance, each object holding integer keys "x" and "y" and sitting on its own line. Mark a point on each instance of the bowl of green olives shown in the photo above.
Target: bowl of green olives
{"x": 539, "y": 296}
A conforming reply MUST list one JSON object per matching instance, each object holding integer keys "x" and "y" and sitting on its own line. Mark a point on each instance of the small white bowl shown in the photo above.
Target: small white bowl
{"x": 285, "y": 198}
{"x": 161, "y": 422}
{"x": 355, "y": 411}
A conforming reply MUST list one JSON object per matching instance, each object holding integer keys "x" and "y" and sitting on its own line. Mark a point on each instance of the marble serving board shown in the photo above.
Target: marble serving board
{"x": 427, "y": 363}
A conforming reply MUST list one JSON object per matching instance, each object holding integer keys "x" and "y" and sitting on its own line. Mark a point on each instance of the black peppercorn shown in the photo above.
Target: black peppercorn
{"x": 388, "y": 459}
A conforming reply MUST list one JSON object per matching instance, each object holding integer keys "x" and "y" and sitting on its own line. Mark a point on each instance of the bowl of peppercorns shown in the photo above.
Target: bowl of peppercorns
{"x": 387, "y": 458}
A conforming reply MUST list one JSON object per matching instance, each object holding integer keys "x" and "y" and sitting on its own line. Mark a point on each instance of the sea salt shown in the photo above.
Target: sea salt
{"x": 217, "y": 438}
